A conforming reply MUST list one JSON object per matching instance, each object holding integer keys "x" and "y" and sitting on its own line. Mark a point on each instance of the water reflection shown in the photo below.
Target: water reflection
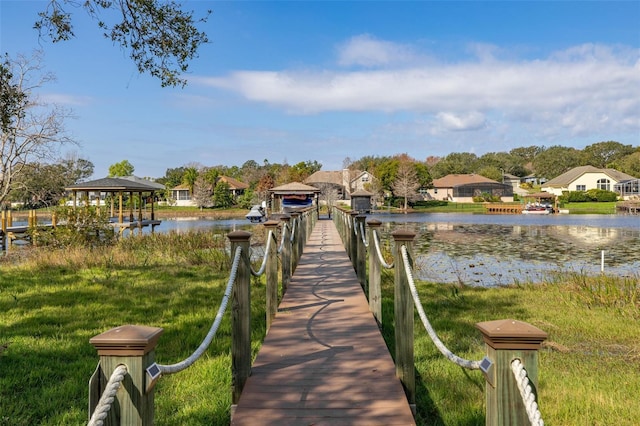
{"x": 483, "y": 251}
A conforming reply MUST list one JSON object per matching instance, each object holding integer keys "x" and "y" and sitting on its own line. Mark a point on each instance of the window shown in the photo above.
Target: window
{"x": 581, "y": 187}
{"x": 604, "y": 184}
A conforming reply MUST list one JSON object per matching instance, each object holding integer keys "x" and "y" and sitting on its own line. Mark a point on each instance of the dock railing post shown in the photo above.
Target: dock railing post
{"x": 295, "y": 223}
{"x": 240, "y": 316}
{"x": 403, "y": 314}
{"x": 353, "y": 239}
{"x": 272, "y": 272}
{"x": 134, "y": 347}
{"x": 286, "y": 253}
{"x": 375, "y": 291}
{"x": 506, "y": 341}
{"x": 361, "y": 253}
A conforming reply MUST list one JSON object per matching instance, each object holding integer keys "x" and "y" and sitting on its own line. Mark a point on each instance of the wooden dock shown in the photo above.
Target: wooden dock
{"x": 323, "y": 361}
{"x": 503, "y": 208}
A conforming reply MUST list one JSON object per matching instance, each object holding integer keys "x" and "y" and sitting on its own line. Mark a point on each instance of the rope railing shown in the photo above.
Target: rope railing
{"x": 108, "y": 396}
{"x": 175, "y": 368}
{"x": 364, "y": 235}
{"x": 471, "y": 365}
{"x": 294, "y": 228}
{"x": 376, "y": 242}
{"x": 263, "y": 266}
{"x": 282, "y": 239}
{"x": 526, "y": 392}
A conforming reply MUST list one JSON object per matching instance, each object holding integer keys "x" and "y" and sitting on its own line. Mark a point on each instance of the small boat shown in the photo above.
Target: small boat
{"x": 536, "y": 209}
{"x": 257, "y": 214}
{"x": 291, "y": 203}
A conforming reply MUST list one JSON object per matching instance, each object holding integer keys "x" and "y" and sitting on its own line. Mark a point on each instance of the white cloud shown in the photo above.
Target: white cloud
{"x": 581, "y": 90}
{"x": 365, "y": 50}
{"x": 469, "y": 121}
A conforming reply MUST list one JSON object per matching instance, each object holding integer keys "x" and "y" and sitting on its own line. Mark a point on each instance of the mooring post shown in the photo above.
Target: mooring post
{"x": 132, "y": 346}
{"x": 375, "y": 291}
{"x": 286, "y": 253}
{"x": 403, "y": 314}
{"x": 506, "y": 341}
{"x": 240, "y": 316}
{"x": 361, "y": 253}
{"x": 272, "y": 271}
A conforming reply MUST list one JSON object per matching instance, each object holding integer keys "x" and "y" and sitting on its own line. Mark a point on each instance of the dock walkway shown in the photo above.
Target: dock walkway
{"x": 323, "y": 361}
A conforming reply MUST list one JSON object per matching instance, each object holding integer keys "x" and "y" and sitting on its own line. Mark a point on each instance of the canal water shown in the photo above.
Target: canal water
{"x": 494, "y": 250}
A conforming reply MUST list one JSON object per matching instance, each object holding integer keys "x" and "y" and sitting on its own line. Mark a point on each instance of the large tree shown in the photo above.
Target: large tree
{"x": 603, "y": 154}
{"x": 455, "y": 163}
{"x": 30, "y": 130}
{"x": 160, "y": 37}
{"x": 120, "y": 169}
{"x": 406, "y": 183}
{"x": 556, "y": 160}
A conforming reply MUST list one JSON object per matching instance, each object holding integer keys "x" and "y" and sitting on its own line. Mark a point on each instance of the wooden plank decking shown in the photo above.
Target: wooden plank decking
{"x": 323, "y": 362}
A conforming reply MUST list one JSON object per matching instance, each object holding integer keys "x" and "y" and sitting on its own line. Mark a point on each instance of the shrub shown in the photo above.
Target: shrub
{"x": 86, "y": 226}
{"x": 602, "y": 195}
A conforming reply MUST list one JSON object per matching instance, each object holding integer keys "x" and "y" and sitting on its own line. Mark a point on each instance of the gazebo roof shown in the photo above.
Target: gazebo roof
{"x": 116, "y": 184}
{"x": 294, "y": 188}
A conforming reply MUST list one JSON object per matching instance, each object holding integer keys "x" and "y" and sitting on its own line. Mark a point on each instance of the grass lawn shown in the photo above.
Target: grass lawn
{"x": 53, "y": 303}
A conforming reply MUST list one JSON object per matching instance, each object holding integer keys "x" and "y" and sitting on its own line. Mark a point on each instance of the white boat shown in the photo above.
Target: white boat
{"x": 535, "y": 209}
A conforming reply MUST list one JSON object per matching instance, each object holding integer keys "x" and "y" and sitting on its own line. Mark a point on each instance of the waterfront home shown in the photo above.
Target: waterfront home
{"x": 584, "y": 178}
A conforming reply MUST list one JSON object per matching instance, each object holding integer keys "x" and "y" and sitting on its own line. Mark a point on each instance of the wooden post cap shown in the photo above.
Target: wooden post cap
{"x": 511, "y": 334}
{"x": 127, "y": 340}
{"x": 374, "y": 223}
{"x": 271, "y": 223}
{"x": 403, "y": 235}
{"x": 239, "y": 236}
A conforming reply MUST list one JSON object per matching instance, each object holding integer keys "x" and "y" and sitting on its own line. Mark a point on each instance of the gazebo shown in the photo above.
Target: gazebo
{"x": 118, "y": 187}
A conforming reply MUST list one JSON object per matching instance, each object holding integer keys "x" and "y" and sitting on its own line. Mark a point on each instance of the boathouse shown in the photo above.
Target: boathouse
{"x": 95, "y": 191}
{"x": 292, "y": 196}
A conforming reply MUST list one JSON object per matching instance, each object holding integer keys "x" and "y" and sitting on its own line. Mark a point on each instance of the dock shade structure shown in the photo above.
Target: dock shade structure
{"x": 292, "y": 197}
{"x": 94, "y": 191}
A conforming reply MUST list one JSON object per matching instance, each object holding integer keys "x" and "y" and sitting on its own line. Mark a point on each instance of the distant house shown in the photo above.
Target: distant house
{"x": 346, "y": 182}
{"x": 533, "y": 180}
{"x": 584, "y": 178}
{"x": 461, "y": 188}
{"x": 183, "y": 197}
{"x": 236, "y": 187}
{"x": 514, "y": 181}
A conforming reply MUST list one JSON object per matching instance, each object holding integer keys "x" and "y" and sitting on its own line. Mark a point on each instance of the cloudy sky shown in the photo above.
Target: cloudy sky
{"x": 328, "y": 80}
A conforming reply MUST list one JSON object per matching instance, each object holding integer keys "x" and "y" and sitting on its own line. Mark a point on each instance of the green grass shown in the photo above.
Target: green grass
{"x": 588, "y": 368}
{"x": 53, "y": 303}
{"x": 590, "y": 207}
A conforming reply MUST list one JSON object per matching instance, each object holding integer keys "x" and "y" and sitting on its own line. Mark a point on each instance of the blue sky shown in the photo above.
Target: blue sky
{"x": 328, "y": 80}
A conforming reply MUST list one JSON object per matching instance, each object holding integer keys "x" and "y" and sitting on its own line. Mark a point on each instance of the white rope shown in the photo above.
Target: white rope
{"x": 364, "y": 235}
{"x": 471, "y": 365}
{"x": 528, "y": 397}
{"x": 264, "y": 258}
{"x": 380, "y": 258}
{"x": 294, "y": 228}
{"x": 176, "y": 368}
{"x": 108, "y": 396}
